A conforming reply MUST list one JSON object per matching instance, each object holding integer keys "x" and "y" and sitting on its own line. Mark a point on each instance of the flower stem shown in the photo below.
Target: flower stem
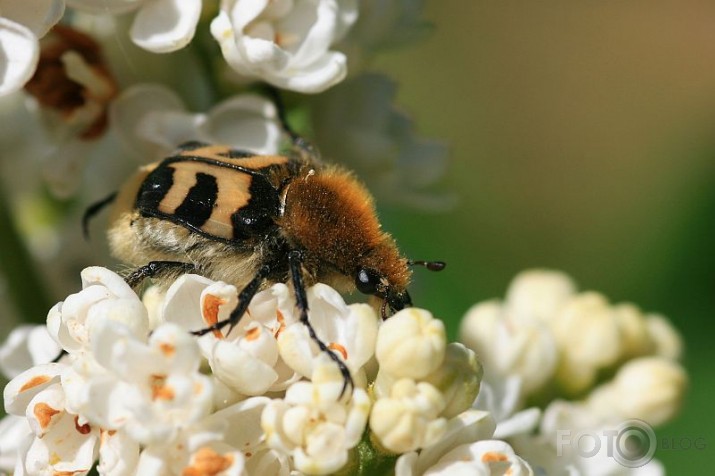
{"x": 24, "y": 285}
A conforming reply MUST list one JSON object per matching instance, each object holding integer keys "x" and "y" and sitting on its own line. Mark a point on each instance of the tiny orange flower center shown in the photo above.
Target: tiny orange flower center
{"x": 159, "y": 389}
{"x": 210, "y": 312}
{"x": 207, "y": 462}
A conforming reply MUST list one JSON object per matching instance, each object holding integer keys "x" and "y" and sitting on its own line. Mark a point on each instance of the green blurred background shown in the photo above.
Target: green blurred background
{"x": 582, "y": 138}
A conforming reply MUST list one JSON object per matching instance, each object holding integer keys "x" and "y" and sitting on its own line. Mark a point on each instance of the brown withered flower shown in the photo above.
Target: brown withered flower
{"x": 73, "y": 80}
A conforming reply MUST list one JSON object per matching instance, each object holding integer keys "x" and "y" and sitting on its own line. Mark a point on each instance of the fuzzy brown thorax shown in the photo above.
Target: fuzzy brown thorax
{"x": 331, "y": 215}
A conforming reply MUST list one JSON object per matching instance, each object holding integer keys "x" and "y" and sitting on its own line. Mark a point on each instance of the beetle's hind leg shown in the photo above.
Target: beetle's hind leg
{"x": 244, "y": 299}
{"x": 294, "y": 259}
{"x": 158, "y": 269}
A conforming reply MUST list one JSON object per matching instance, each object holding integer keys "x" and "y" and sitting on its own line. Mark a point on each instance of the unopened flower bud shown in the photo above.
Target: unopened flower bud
{"x": 648, "y": 388}
{"x": 479, "y": 327}
{"x": 457, "y": 378}
{"x": 539, "y": 294}
{"x": 635, "y": 338}
{"x": 411, "y": 344}
{"x": 665, "y": 337}
{"x": 409, "y": 418}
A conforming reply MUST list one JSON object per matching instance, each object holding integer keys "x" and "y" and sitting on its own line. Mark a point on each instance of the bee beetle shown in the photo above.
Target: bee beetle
{"x": 253, "y": 220}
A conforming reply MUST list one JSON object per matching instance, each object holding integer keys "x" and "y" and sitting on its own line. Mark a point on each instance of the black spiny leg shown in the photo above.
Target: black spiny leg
{"x": 294, "y": 258}
{"x": 244, "y": 299}
{"x": 156, "y": 269}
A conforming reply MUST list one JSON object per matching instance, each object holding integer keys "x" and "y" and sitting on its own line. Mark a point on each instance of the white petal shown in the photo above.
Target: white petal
{"x": 162, "y": 26}
{"x": 240, "y": 370}
{"x": 128, "y": 109}
{"x": 170, "y": 129}
{"x": 243, "y": 12}
{"x": 242, "y": 421}
{"x": 521, "y": 423}
{"x": 247, "y": 122}
{"x": 13, "y": 430}
{"x": 111, "y": 280}
{"x": 20, "y": 390}
{"x": 315, "y": 25}
{"x": 118, "y": 454}
{"x": 25, "y": 347}
{"x": 183, "y": 301}
{"x": 19, "y": 53}
{"x": 297, "y": 349}
{"x": 315, "y": 78}
{"x": 37, "y": 15}
{"x": 470, "y": 426}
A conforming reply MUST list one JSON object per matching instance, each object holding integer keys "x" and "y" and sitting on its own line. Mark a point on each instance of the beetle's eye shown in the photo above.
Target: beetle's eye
{"x": 366, "y": 280}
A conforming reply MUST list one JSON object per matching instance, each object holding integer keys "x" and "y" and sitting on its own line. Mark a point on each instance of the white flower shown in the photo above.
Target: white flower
{"x": 349, "y": 331}
{"x": 357, "y": 124}
{"x": 588, "y": 337}
{"x": 409, "y": 417}
{"x": 151, "y": 390}
{"x": 226, "y": 442}
{"x": 467, "y": 427}
{"x": 70, "y": 89}
{"x": 247, "y": 360}
{"x": 411, "y": 344}
{"x": 151, "y": 121}
{"x": 26, "y": 346}
{"x": 510, "y": 343}
{"x": 61, "y": 440}
{"x": 648, "y": 388}
{"x": 22, "y": 23}
{"x": 104, "y": 297}
{"x": 314, "y": 424}
{"x": 160, "y": 26}
{"x": 285, "y": 43}
{"x": 539, "y": 294}
{"x": 490, "y": 457}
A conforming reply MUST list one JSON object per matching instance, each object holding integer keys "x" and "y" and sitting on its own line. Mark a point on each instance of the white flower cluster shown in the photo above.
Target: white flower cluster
{"x": 136, "y": 394}
{"x": 291, "y": 44}
{"x": 590, "y": 364}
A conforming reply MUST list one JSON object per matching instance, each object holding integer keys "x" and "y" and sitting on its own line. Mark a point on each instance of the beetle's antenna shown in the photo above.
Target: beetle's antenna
{"x": 92, "y": 211}
{"x": 431, "y": 265}
{"x": 298, "y": 142}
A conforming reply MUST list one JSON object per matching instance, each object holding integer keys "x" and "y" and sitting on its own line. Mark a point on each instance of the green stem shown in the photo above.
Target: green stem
{"x": 24, "y": 284}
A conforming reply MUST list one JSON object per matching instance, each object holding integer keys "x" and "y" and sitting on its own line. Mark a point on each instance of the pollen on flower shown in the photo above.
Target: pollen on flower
{"x": 159, "y": 389}
{"x": 44, "y": 413}
{"x": 207, "y": 462}
{"x": 281, "y": 323}
{"x": 210, "y": 312}
{"x": 167, "y": 349}
{"x": 34, "y": 382}
{"x": 253, "y": 333}
{"x": 82, "y": 429}
{"x": 493, "y": 457}
{"x": 343, "y": 351}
